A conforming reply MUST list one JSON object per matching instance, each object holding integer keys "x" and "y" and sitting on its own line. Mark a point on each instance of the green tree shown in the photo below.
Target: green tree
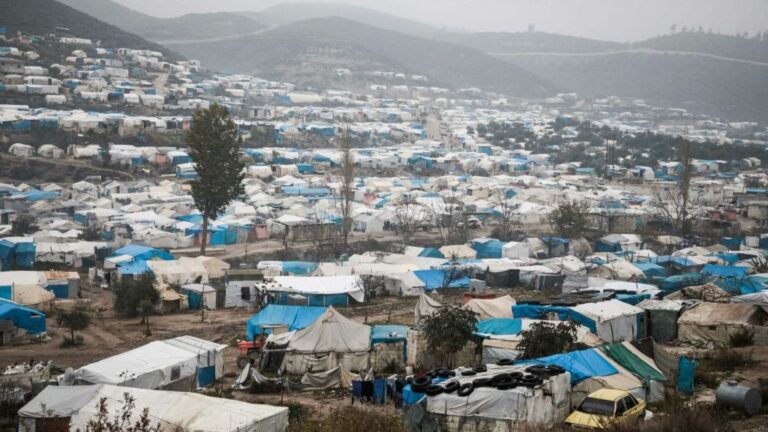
{"x": 447, "y": 332}
{"x": 122, "y": 421}
{"x": 215, "y": 148}
{"x": 543, "y": 339}
{"x": 569, "y": 218}
{"x": 76, "y": 319}
{"x": 137, "y": 297}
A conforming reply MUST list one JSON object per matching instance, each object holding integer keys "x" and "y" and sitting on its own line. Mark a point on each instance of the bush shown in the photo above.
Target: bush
{"x": 728, "y": 360}
{"x": 743, "y": 337}
{"x": 544, "y": 339}
{"x": 349, "y": 419}
{"x": 71, "y": 343}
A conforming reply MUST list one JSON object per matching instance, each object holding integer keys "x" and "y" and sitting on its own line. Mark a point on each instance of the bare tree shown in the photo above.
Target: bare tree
{"x": 453, "y": 273}
{"x": 347, "y": 180}
{"x": 673, "y": 205}
{"x": 506, "y": 216}
{"x": 451, "y": 222}
{"x": 324, "y": 235}
{"x": 408, "y": 215}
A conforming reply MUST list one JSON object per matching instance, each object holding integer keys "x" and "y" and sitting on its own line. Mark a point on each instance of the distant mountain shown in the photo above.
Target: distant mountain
{"x": 45, "y": 16}
{"x": 288, "y": 13}
{"x": 717, "y": 45}
{"x": 190, "y": 27}
{"x": 306, "y": 53}
{"x": 731, "y": 89}
{"x": 530, "y": 42}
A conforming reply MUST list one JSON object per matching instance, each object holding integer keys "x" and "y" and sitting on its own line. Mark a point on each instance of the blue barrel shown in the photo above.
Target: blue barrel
{"x": 380, "y": 391}
{"x": 357, "y": 388}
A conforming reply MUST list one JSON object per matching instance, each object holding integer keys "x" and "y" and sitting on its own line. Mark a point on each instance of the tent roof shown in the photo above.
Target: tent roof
{"x": 607, "y": 310}
{"x": 500, "y": 307}
{"x": 332, "y": 332}
{"x": 719, "y": 313}
{"x": 323, "y": 285}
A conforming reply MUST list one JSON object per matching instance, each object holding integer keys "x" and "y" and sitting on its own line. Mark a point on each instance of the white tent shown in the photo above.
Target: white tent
{"x": 171, "y": 410}
{"x": 326, "y": 285}
{"x": 426, "y": 306}
{"x": 160, "y": 364}
{"x": 27, "y": 288}
{"x": 515, "y": 250}
{"x": 500, "y": 307}
{"x": 178, "y": 272}
{"x": 331, "y": 340}
{"x": 615, "y": 320}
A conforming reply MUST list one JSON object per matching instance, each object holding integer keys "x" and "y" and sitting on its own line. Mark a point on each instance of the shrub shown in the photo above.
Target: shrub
{"x": 728, "y": 360}
{"x": 544, "y": 339}
{"x": 350, "y": 419}
{"x": 743, "y": 337}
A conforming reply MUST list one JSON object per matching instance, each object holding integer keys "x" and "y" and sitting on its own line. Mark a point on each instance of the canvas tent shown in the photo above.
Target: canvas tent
{"x": 76, "y": 406}
{"x": 26, "y": 288}
{"x": 331, "y": 340}
{"x": 715, "y": 322}
{"x": 182, "y": 363}
{"x": 615, "y": 321}
{"x": 426, "y": 306}
{"x": 320, "y": 291}
{"x": 500, "y": 307}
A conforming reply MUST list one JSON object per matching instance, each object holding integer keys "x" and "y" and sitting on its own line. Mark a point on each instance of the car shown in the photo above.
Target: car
{"x": 605, "y": 407}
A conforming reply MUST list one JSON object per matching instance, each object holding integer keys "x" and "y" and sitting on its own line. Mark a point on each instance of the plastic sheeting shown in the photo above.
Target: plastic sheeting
{"x": 436, "y": 278}
{"x": 564, "y": 313}
{"x": 500, "y": 307}
{"x": 29, "y": 319}
{"x": 426, "y": 306}
{"x": 332, "y": 332}
{"x": 499, "y": 326}
{"x": 581, "y": 364}
{"x": 321, "y": 285}
{"x": 335, "y": 378}
{"x": 639, "y": 365}
{"x": 294, "y": 317}
{"x": 171, "y": 410}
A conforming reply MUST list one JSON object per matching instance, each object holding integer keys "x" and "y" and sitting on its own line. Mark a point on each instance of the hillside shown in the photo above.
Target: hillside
{"x": 530, "y": 42}
{"x": 44, "y": 16}
{"x": 288, "y": 13}
{"x": 718, "y": 45}
{"x": 319, "y": 45}
{"x": 732, "y": 89}
{"x": 183, "y": 28}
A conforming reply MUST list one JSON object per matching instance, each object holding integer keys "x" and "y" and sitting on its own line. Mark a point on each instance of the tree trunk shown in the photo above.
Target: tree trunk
{"x": 72, "y": 333}
{"x": 204, "y": 235}
{"x": 148, "y": 332}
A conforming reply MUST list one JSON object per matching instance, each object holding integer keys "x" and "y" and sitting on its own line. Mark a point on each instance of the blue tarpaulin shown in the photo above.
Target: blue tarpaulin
{"x": 581, "y": 364}
{"x": 134, "y": 268}
{"x": 143, "y": 253}
{"x": 295, "y": 317}
{"x": 435, "y": 278}
{"x": 650, "y": 269}
{"x": 390, "y": 333}
{"x": 541, "y": 312}
{"x": 487, "y": 248}
{"x": 31, "y": 320}
{"x": 724, "y": 271}
{"x": 678, "y": 282}
{"x": 25, "y": 254}
{"x": 499, "y": 326}
{"x": 299, "y": 268}
{"x": 685, "y": 370}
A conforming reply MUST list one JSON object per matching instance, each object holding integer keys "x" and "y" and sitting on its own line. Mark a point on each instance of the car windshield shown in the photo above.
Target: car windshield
{"x": 597, "y": 406}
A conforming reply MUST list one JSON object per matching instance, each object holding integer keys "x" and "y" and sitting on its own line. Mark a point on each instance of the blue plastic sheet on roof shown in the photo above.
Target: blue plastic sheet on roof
{"x": 37, "y": 195}
{"x": 650, "y": 269}
{"x": 632, "y": 299}
{"x": 302, "y": 191}
{"x": 732, "y": 243}
{"x": 31, "y": 320}
{"x": 431, "y": 252}
{"x": 299, "y": 267}
{"x": 488, "y": 249}
{"x": 24, "y": 254}
{"x": 295, "y": 317}
{"x": 724, "y": 271}
{"x": 743, "y": 285}
{"x": 133, "y": 268}
{"x": 435, "y": 278}
{"x": 143, "y": 253}
{"x": 390, "y": 333}
{"x": 564, "y": 313}
{"x": 678, "y": 282}
{"x": 499, "y": 326}
{"x": 581, "y": 364}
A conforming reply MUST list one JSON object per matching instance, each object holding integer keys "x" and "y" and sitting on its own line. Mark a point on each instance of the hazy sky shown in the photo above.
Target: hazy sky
{"x": 623, "y": 20}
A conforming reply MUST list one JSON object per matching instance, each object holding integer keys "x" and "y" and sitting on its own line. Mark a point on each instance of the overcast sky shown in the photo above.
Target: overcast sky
{"x": 622, "y": 20}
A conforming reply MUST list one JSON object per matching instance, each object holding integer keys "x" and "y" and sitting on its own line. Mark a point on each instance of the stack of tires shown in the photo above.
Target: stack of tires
{"x": 533, "y": 376}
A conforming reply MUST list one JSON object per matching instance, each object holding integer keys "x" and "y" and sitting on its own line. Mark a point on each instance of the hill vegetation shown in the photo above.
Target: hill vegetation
{"x": 46, "y": 16}
{"x": 185, "y": 27}
{"x": 714, "y": 44}
{"x": 299, "y": 50}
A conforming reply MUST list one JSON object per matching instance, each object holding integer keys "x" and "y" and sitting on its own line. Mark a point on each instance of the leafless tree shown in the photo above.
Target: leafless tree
{"x": 347, "y": 181}
{"x": 451, "y": 222}
{"x": 506, "y": 216}
{"x": 673, "y": 205}
{"x": 408, "y": 217}
{"x": 453, "y": 273}
{"x": 324, "y": 236}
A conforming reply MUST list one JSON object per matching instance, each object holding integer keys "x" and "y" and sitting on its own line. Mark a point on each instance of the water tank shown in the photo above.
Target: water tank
{"x": 733, "y": 395}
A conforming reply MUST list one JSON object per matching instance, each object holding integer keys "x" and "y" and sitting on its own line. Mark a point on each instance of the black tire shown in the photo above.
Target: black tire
{"x": 480, "y": 368}
{"x": 421, "y": 381}
{"x": 446, "y": 374}
{"x": 507, "y": 385}
{"x": 481, "y": 382}
{"x": 516, "y": 375}
{"x": 555, "y": 370}
{"x": 466, "y": 389}
{"x": 242, "y": 361}
{"x": 451, "y": 386}
{"x": 433, "y": 390}
{"x": 500, "y": 378}
{"x": 505, "y": 362}
{"x": 537, "y": 370}
{"x": 468, "y": 372}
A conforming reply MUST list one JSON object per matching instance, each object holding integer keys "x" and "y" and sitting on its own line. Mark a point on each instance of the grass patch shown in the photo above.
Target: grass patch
{"x": 742, "y": 338}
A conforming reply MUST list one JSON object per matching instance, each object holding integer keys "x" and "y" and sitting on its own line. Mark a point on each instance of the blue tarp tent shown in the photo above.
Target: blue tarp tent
{"x": 487, "y": 248}
{"x": 295, "y": 317}
{"x": 435, "y": 278}
{"x": 564, "y": 313}
{"x": 143, "y": 253}
{"x": 31, "y": 320}
{"x": 499, "y": 326}
{"x": 430, "y": 252}
{"x": 678, "y": 282}
{"x": 724, "y": 271}
{"x": 390, "y": 333}
{"x": 581, "y": 364}
{"x": 299, "y": 268}
{"x": 134, "y": 268}
{"x": 25, "y": 254}
{"x": 650, "y": 269}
